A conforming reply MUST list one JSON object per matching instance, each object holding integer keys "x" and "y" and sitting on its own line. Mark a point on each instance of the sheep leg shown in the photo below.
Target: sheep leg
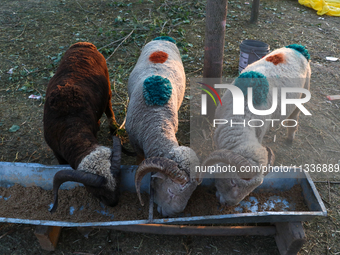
{"x": 111, "y": 118}
{"x": 291, "y": 130}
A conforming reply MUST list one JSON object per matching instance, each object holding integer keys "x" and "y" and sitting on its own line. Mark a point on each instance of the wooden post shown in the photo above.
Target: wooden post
{"x": 255, "y": 11}
{"x": 47, "y": 236}
{"x": 216, "y": 14}
{"x": 289, "y": 237}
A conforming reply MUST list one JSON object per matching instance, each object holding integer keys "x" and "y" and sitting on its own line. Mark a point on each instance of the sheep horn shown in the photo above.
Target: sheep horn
{"x": 75, "y": 176}
{"x": 116, "y": 157}
{"x": 271, "y": 158}
{"x": 163, "y": 165}
{"x": 230, "y": 158}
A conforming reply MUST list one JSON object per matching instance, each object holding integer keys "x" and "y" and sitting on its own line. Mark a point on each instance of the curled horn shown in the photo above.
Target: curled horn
{"x": 271, "y": 158}
{"x": 230, "y": 158}
{"x": 75, "y": 176}
{"x": 116, "y": 156}
{"x": 163, "y": 165}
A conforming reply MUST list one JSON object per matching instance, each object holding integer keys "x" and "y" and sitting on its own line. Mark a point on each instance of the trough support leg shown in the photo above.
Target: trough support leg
{"x": 47, "y": 236}
{"x": 289, "y": 237}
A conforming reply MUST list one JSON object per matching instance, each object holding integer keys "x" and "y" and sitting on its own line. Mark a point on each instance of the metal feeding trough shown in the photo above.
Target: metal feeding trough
{"x": 40, "y": 175}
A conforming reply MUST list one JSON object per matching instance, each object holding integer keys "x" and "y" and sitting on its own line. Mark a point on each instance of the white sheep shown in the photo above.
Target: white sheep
{"x": 241, "y": 144}
{"x": 156, "y": 89}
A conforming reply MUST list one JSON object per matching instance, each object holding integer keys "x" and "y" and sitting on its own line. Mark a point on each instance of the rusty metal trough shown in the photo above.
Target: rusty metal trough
{"x": 286, "y": 226}
{"x": 42, "y": 175}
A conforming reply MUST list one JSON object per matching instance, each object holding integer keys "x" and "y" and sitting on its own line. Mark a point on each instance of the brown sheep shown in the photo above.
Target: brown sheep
{"x": 76, "y": 98}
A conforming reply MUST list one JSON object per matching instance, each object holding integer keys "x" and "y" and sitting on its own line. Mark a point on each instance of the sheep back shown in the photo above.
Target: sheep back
{"x": 76, "y": 98}
{"x": 284, "y": 67}
{"x": 146, "y": 120}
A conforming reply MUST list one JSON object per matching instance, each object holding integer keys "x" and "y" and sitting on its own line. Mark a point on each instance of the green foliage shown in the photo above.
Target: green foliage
{"x": 56, "y": 58}
{"x": 14, "y": 128}
{"x": 119, "y": 4}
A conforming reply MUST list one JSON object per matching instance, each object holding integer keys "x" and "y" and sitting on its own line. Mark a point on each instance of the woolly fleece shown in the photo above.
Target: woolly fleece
{"x": 185, "y": 157}
{"x": 156, "y": 90}
{"x": 165, "y": 38}
{"x": 99, "y": 162}
{"x": 258, "y": 82}
{"x": 152, "y": 130}
{"x": 247, "y": 141}
{"x": 300, "y": 48}
{"x": 158, "y": 57}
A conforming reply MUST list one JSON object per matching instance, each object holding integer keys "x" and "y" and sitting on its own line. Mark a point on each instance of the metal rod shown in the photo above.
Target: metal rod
{"x": 151, "y": 200}
{"x": 331, "y": 182}
{"x": 198, "y": 230}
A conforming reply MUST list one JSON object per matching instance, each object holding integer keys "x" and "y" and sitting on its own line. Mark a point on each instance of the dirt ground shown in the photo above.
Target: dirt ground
{"x": 33, "y": 36}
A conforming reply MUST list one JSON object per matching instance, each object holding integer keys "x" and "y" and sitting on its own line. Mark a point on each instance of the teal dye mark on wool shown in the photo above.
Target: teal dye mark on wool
{"x": 157, "y": 90}
{"x": 165, "y": 38}
{"x": 300, "y": 48}
{"x": 258, "y": 82}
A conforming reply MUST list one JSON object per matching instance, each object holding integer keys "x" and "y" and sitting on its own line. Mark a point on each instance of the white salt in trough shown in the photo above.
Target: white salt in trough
{"x": 30, "y": 174}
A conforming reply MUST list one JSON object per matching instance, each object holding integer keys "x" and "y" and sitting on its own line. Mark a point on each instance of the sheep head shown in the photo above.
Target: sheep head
{"x": 99, "y": 172}
{"x": 238, "y": 185}
{"x": 171, "y": 182}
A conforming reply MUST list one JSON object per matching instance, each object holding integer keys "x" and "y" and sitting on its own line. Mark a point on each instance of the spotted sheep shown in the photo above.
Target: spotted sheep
{"x": 76, "y": 98}
{"x": 156, "y": 89}
{"x": 237, "y": 146}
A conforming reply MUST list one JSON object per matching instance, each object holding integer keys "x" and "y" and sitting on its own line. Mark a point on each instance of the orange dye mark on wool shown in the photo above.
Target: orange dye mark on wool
{"x": 276, "y": 59}
{"x": 158, "y": 57}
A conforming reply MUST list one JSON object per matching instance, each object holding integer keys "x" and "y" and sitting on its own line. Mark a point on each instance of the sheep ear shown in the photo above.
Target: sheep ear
{"x": 159, "y": 175}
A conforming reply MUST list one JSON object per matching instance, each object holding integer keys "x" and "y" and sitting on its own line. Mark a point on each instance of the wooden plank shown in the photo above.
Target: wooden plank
{"x": 289, "y": 237}
{"x": 198, "y": 230}
{"x": 47, "y": 236}
{"x": 255, "y": 11}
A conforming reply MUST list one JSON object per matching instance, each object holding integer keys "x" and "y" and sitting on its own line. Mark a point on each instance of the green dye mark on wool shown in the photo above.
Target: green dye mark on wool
{"x": 165, "y": 38}
{"x": 157, "y": 90}
{"x": 258, "y": 82}
{"x": 300, "y": 48}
